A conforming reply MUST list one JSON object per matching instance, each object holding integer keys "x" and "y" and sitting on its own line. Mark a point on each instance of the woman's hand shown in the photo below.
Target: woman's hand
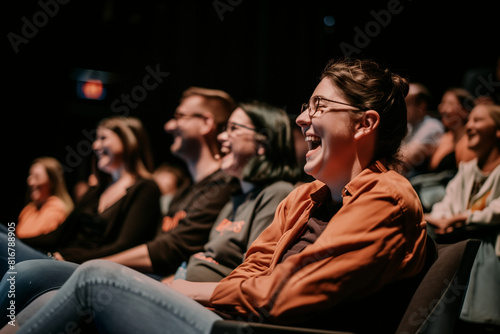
{"x": 58, "y": 256}
{"x": 446, "y": 225}
{"x": 199, "y": 291}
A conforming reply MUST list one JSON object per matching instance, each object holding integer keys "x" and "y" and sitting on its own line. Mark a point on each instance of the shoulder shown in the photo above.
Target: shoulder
{"x": 143, "y": 185}
{"x": 384, "y": 186}
{"x": 54, "y": 203}
{"x": 433, "y": 122}
{"x": 278, "y": 187}
{"x": 276, "y": 191}
{"x": 468, "y": 166}
{"x": 218, "y": 181}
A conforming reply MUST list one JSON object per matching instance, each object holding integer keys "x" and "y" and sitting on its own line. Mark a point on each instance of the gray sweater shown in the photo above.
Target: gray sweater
{"x": 239, "y": 223}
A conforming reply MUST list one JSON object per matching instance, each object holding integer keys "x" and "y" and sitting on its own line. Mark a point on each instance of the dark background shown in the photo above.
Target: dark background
{"x": 267, "y": 50}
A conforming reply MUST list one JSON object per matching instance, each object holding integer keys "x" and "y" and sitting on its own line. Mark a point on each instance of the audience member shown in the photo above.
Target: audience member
{"x": 333, "y": 242}
{"x": 262, "y": 161}
{"x": 454, "y": 109}
{"x": 256, "y": 149}
{"x": 473, "y": 198}
{"x": 121, "y": 211}
{"x": 200, "y": 116}
{"x": 197, "y": 121}
{"x": 171, "y": 179}
{"x": 49, "y": 202}
{"x": 424, "y": 131}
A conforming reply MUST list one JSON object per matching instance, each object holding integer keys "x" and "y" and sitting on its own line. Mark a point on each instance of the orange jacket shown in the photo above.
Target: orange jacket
{"x": 377, "y": 237}
{"x": 33, "y": 222}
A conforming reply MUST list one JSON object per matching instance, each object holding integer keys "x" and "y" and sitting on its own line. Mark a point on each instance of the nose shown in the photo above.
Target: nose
{"x": 170, "y": 125}
{"x": 223, "y": 136}
{"x": 30, "y": 180}
{"x": 468, "y": 125}
{"x": 303, "y": 120}
{"x": 96, "y": 144}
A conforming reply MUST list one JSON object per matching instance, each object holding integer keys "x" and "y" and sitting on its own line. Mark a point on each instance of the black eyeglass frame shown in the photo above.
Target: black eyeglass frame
{"x": 317, "y": 99}
{"x": 226, "y": 126}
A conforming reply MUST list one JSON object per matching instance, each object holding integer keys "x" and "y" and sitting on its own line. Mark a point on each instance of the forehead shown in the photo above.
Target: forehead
{"x": 193, "y": 104}
{"x": 450, "y": 96}
{"x": 38, "y": 168}
{"x": 481, "y": 111}
{"x": 327, "y": 90}
{"x": 241, "y": 117}
{"x": 104, "y": 130}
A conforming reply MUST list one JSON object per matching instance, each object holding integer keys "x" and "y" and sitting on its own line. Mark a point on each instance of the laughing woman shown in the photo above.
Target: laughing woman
{"x": 332, "y": 246}
{"x": 473, "y": 199}
{"x": 121, "y": 211}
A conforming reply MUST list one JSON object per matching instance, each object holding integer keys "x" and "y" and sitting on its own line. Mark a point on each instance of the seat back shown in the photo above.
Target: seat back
{"x": 436, "y": 304}
{"x": 433, "y": 308}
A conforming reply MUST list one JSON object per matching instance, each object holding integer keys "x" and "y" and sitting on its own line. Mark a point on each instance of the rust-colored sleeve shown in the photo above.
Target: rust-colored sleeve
{"x": 375, "y": 239}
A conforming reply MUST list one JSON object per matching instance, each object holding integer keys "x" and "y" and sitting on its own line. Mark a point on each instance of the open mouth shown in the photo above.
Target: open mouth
{"x": 224, "y": 150}
{"x": 313, "y": 142}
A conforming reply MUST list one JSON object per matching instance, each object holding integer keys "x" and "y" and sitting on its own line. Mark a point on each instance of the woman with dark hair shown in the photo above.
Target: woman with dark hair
{"x": 121, "y": 211}
{"x": 454, "y": 109}
{"x": 256, "y": 149}
{"x": 333, "y": 244}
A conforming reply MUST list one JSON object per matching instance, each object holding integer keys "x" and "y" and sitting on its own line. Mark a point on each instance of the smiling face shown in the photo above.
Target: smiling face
{"x": 238, "y": 144}
{"x": 185, "y": 126}
{"x": 109, "y": 150}
{"x": 453, "y": 114}
{"x": 482, "y": 131}
{"x": 330, "y": 137}
{"x": 39, "y": 184}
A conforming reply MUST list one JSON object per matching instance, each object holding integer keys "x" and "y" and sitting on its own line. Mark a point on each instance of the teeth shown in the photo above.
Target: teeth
{"x": 313, "y": 139}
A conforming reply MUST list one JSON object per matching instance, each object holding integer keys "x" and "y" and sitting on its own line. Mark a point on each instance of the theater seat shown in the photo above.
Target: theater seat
{"x": 434, "y": 308}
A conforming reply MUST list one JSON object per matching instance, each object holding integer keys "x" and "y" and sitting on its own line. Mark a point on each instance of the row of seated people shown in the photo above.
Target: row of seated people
{"x": 235, "y": 193}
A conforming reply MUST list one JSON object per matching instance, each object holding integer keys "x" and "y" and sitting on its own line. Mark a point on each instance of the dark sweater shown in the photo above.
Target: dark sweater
{"x": 196, "y": 209}
{"x": 87, "y": 234}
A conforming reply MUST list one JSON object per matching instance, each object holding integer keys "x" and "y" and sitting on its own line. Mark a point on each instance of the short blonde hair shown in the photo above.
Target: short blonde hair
{"x": 494, "y": 112}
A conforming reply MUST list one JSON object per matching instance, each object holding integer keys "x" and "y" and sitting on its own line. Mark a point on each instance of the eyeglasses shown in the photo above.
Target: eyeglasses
{"x": 179, "y": 115}
{"x": 314, "y": 106}
{"x": 232, "y": 126}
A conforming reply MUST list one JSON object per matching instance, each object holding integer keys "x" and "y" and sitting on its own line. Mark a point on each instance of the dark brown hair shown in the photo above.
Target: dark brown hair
{"x": 368, "y": 86}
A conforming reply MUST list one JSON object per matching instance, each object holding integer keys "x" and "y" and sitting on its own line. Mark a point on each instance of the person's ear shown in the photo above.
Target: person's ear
{"x": 498, "y": 134}
{"x": 208, "y": 123}
{"x": 367, "y": 124}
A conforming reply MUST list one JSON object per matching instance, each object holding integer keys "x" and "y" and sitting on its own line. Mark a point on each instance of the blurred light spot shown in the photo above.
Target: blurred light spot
{"x": 329, "y": 21}
{"x": 92, "y": 90}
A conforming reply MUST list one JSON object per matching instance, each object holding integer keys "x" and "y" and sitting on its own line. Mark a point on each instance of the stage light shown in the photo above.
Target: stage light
{"x": 91, "y": 84}
{"x": 93, "y": 90}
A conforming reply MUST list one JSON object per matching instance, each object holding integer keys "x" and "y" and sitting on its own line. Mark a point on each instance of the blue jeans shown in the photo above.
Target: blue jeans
{"x": 117, "y": 299}
{"x": 23, "y": 252}
{"x": 32, "y": 279}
